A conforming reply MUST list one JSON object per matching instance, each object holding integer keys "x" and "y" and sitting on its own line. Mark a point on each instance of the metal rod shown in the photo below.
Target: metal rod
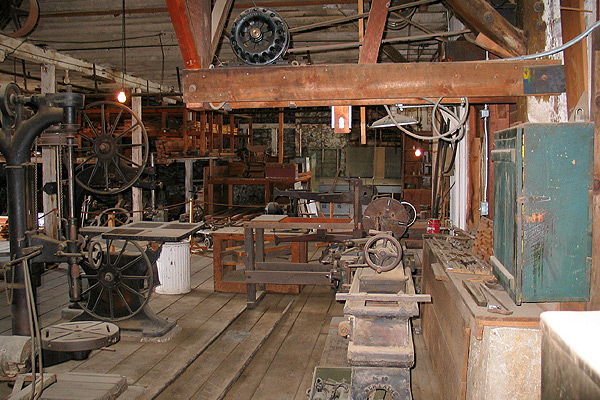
{"x": 354, "y": 17}
{"x": 153, "y": 190}
{"x": 403, "y": 39}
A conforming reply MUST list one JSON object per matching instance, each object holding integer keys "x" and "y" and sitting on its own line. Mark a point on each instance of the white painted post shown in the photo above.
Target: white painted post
{"x": 136, "y": 193}
{"x": 49, "y": 167}
{"x": 189, "y": 182}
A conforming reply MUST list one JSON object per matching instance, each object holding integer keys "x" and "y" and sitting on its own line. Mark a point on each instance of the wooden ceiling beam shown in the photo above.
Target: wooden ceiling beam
{"x": 375, "y": 26}
{"x": 220, "y": 12}
{"x": 393, "y": 53}
{"x": 368, "y": 102}
{"x": 359, "y": 82}
{"x": 183, "y": 24}
{"x": 481, "y": 16}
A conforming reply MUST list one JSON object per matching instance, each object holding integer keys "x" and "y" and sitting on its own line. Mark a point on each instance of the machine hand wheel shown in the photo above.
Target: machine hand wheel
{"x": 383, "y": 252}
{"x": 109, "y": 148}
{"x": 259, "y": 36}
{"x": 118, "y": 216}
{"x": 119, "y": 279}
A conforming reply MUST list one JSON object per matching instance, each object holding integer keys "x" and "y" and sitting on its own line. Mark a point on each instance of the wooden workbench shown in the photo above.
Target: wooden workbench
{"x": 476, "y": 354}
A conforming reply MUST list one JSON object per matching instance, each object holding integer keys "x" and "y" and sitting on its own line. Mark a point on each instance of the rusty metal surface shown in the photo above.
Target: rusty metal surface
{"x": 383, "y": 253}
{"x": 367, "y": 380}
{"x": 79, "y": 336}
{"x": 386, "y": 214}
{"x": 146, "y": 231}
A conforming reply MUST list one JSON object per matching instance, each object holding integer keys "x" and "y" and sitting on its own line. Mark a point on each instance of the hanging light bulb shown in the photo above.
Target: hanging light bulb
{"x": 418, "y": 152}
{"x": 121, "y": 97}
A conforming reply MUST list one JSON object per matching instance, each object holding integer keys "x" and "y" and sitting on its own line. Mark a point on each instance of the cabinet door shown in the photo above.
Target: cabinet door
{"x": 556, "y": 240}
{"x": 507, "y": 160}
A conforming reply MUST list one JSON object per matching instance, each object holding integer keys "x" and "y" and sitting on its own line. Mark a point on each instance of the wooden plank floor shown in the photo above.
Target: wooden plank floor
{"x": 223, "y": 351}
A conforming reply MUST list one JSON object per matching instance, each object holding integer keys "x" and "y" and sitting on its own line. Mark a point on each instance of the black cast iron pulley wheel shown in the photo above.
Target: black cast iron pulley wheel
{"x": 259, "y": 36}
{"x": 8, "y": 96}
{"x": 109, "y": 148}
{"x": 119, "y": 279}
{"x": 383, "y": 252}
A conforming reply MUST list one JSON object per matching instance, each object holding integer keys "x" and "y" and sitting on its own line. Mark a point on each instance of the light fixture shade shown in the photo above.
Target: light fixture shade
{"x": 387, "y": 122}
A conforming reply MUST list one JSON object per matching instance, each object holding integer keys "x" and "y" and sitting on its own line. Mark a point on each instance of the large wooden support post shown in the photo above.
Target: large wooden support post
{"x": 49, "y": 167}
{"x": 363, "y": 109}
{"x": 576, "y": 56}
{"x": 136, "y": 156}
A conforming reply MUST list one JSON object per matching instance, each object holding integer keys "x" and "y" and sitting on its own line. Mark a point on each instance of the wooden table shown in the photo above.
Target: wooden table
{"x": 230, "y": 241}
{"x": 301, "y": 273}
{"x": 476, "y": 354}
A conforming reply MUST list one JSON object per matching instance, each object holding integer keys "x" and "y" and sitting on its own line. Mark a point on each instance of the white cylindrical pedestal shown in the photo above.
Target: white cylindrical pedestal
{"x": 174, "y": 268}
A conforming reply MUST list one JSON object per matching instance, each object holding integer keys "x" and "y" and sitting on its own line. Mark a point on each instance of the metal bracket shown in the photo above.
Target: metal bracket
{"x": 545, "y": 79}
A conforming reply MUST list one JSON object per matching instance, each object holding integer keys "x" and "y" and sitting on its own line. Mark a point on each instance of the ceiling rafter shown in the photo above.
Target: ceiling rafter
{"x": 481, "y": 16}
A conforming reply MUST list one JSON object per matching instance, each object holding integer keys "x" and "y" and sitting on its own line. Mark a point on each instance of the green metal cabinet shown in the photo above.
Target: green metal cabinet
{"x": 542, "y": 213}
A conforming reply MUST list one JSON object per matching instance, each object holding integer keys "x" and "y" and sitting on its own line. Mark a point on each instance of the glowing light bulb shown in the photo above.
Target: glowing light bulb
{"x": 121, "y": 97}
{"x": 418, "y": 152}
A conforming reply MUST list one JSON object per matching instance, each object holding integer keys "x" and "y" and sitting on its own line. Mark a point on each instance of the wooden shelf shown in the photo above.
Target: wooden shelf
{"x": 418, "y": 191}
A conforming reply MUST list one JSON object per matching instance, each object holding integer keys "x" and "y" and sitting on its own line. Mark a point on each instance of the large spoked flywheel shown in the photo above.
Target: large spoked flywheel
{"x": 18, "y": 17}
{"x": 112, "y": 157}
{"x": 259, "y": 36}
{"x": 119, "y": 279}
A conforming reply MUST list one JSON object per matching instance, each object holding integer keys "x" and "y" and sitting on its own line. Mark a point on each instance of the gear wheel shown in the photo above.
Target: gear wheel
{"x": 259, "y": 36}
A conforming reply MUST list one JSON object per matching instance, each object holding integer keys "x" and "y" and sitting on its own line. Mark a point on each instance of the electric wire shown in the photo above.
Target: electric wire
{"x": 555, "y": 50}
{"x": 34, "y": 329}
{"x": 447, "y": 136}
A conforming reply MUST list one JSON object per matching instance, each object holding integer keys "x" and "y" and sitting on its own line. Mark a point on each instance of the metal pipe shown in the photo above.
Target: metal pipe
{"x": 70, "y": 126}
{"x": 16, "y": 157}
{"x": 153, "y": 190}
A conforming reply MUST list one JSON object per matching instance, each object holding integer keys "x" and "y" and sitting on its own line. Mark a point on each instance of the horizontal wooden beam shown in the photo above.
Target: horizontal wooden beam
{"x": 26, "y": 51}
{"x": 363, "y": 102}
{"x": 357, "y": 83}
